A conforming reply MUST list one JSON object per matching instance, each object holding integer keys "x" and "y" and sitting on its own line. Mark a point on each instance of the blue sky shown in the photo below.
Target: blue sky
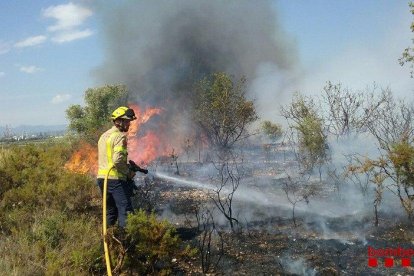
{"x": 48, "y": 50}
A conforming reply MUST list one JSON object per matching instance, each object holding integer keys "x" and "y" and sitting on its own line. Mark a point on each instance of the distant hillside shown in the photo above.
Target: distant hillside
{"x": 32, "y": 129}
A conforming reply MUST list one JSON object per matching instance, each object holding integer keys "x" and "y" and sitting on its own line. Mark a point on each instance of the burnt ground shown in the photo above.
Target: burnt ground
{"x": 268, "y": 243}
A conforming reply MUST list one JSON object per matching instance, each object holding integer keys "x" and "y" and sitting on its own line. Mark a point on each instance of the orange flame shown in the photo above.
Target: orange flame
{"x": 84, "y": 160}
{"x": 146, "y": 148}
{"x": 142, "y": 148}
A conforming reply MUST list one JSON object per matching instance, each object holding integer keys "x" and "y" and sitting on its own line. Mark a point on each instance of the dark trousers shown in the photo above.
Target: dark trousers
{"x": 118, "y": 201}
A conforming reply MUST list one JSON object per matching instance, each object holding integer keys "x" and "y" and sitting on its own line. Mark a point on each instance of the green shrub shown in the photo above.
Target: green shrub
{"x": 49, "y": 217}
{"x": 50, "y": 220}
{"x": 34, "y": 175}
{"x": 67, "y": 192}
{"x": 32, "y": 163}
{"x": 153, "y": 244}
{"x": 54, "y": 243}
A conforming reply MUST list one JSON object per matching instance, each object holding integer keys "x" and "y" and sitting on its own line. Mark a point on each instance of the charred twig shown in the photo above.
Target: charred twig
{"x": 298, "y": 190}
{"x": 207, "y": 227}
{"x": 229, "y": 181}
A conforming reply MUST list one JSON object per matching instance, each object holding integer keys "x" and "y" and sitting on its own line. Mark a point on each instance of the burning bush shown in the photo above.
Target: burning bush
{"x": 84, "y": 159}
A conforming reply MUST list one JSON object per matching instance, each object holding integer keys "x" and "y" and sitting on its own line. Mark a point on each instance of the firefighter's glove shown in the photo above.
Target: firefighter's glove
{"x": 134, "y": 167}
{"x": 131, "y": 174}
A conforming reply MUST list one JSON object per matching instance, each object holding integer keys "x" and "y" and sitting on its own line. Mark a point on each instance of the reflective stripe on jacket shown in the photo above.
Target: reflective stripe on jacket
{"x": 112, "y": 153}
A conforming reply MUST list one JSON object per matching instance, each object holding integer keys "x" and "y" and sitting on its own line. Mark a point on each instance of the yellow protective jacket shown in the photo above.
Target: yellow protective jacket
{"x": 112, "y": 152}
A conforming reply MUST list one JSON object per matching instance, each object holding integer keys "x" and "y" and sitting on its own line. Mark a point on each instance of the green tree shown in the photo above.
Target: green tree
{"x": 408, "y": 53}
{"x": 402, "y": 160}
{"x": 222, "y": 110}
{"x": 303, "y": 118}
{"x": 393, "y": 129}
{"x": 223, "y": 113}
{"x": 272, "y": 130}
{"x": 88, "y": 121}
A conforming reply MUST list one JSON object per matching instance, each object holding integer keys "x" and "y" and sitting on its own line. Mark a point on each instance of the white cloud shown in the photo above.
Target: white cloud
{"x": 4, "y": 47}
{"x": 67, "y": 36}
{"x": 60, "y": 98}
{"x": 31, "y": 69}
{"x": 68, "y": 21}
{"x": 69, "y": 18}
{"x": 31, "y": 41}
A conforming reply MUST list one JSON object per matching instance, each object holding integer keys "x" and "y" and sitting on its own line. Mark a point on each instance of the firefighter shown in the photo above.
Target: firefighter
{"x": 112, "y": 161}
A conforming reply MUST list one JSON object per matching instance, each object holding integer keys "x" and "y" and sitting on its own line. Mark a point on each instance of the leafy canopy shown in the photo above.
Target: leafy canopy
{"x": 272, "y": 130}
{"x": 88, "y": 121}
{"x": 222, "y": 110}
{"x": 303, "y": 116}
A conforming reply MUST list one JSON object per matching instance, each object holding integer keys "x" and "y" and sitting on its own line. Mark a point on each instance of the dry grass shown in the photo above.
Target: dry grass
{"x": 3, "y": 154}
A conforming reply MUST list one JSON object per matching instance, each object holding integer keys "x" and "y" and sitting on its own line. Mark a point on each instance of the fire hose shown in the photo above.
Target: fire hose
{"x": 106, "y": 249}
{"x": 135, "y": 168}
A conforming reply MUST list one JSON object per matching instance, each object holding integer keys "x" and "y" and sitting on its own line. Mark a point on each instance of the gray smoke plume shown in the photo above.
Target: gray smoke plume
{"x": 160, "y": 49}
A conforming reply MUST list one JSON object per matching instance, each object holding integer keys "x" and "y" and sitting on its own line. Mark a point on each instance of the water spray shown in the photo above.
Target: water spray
{"x": 184, "y": 182}
{"x": 250, "y": 195}
{"x": 267, "y": 199}
{"x": 243, "y": 194}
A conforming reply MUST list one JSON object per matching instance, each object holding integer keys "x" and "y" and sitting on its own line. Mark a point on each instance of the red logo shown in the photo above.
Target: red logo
{"x": 388, "y": 262}
{"x": 372, "y": 262}
{"x": 390, "y": 256}
{"x": 405, "y": 262}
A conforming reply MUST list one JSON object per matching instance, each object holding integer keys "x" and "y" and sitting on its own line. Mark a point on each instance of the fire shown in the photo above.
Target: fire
{"x": 142, "y": 118}
{"x": 84, "y": 160}
{"x": 143, "y": 148}
{"x": 146, "y": 147}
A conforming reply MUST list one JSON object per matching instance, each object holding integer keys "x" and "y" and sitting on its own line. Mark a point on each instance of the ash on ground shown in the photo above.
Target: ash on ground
{"x": 329, "y": 235}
